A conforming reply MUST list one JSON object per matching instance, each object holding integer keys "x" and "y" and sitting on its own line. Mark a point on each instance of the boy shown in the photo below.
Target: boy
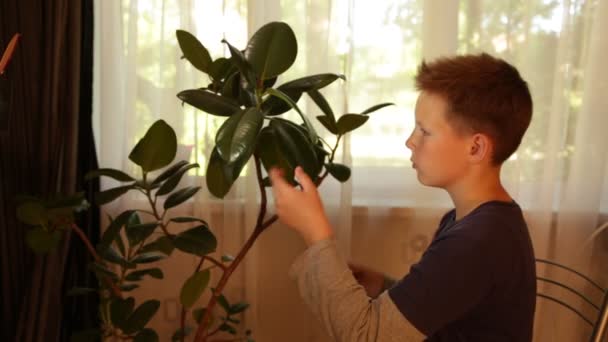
{"x": 476, "y": 281}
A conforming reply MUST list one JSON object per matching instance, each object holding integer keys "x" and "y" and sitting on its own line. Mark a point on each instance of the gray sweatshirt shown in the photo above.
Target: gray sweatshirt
{"x": 329, "y": 288}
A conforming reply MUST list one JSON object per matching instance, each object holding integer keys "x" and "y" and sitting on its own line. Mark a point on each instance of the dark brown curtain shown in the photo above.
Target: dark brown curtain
{"x": 46, "y": 145}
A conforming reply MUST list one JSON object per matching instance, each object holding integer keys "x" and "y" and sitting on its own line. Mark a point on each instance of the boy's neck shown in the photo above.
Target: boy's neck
{"x": 475, "y": 190}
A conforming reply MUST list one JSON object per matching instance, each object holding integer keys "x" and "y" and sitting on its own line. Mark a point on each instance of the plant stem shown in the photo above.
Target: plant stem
{"x": 201, "y": 335}
{"x": 97, "y": 258}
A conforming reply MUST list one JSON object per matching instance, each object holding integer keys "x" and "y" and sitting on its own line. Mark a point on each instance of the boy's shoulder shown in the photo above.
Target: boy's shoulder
{"x": 491, "y": 221}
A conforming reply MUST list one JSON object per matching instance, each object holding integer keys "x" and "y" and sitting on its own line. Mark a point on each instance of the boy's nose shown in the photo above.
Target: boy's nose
{"x": 409, "y": 143}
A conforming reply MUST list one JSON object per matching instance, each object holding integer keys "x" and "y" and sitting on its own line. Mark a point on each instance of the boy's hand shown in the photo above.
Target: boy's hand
{"x": 301, "y": 210}
{"x": 371, "y": 280}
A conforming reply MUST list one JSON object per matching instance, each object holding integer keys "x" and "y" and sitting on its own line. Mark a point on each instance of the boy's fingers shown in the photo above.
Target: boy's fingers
{"x": 276, "y": 179}
{"x": 305, "y": 181}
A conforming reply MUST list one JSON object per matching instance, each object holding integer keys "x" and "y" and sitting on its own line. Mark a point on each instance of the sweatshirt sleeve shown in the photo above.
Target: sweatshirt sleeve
{"x": 330, "y": 290}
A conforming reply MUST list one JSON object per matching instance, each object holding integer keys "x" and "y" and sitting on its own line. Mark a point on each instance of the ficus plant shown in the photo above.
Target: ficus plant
{"x": 241, "y": 89}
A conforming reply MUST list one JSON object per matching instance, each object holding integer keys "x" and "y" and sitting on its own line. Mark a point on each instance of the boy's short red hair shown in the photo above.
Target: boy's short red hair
{"x": 484, "y": 94}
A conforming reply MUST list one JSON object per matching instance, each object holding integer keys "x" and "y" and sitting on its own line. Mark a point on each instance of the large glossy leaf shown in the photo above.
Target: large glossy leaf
{"x": 41, "y": 241}
{"x": 193, "y": 50}
{"x": 221, "y": 68}
{"x": 170, "y": 171}
{"x": 111, "y": 255}
{"x": 272, "y": 50}
{"x": 236, "y": 138}
{"x": 313, "y": 82}
{"x": 148, "y": 257}
{"x": 141, "y": 316}
{"x": 350, "y": 122}
{"x": 33, "y": 213}
{"x": 193, "y": 288}
{"x": 180, "y": 196}
{"x": 376, "y": 107}
{"x": 198, "y": 241}
{"x": 237, "y": 58}
{"x": 209, "y": 102}
{"x": 139, "y": 232}
{"x": 138, "y": 275}
{"x": 338, "y": 171}
{"x": 312, "y": 134}
{"x": 112, "y": 173}
{"x": 120, "y": 310}
{"x": 156, "y": 149}
{"x": 271, "y": 155}
{"x": 146, "y": 335}
{"x": 327, "y": 123}
{"x": 294, "y": 144}
{"x": 110, "y": 195}
{"x": 221, "y": 174}
{"x": 322, "y": 103}
{"x": 172, "y": 182}
{"x": 113, "y": 230}
{"x": 275, "y": 106}
{"x": 163, "y": 244}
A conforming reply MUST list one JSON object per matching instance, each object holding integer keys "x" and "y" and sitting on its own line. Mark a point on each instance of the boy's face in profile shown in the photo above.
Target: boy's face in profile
{"x": 439, "y": 152}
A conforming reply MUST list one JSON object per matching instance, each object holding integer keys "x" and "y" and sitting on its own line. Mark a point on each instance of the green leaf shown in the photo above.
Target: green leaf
{"x": 156, "y": 273}
{"x": 193, "y": 288}
{"x": 41, "y": 241}
{"x": 228, "y": 328}
{"x": 197, "y": 314}
{"x": 32, "y": 213}
{"x": 327, "y": 123}
{"x": 221, "y": 175}
{"x": 338, "y": 171}
{"x": 273, "y": 105}
{"x": 294, "y": 144}
{"x": 312, "y": 134}
{"x": 376, "y": 107}
{"x": 221, "y": 68}
{"x": 163, "y": 244}
{"x": 148, "y": 257}
{"x": 109, "y": 254}
{"x": 172, "y": 182}
{"x": 140, "y": 317}
{"x": 198, "y": 241}
{"x": 78, "y": 291}
{"x": 113, "y": 230}
{"x": 187, "y": 219}
{"x": 180, "y": 196}
{"x": 109, "y": 195}
{"x": 313, "y": 82}
{"x": 209, "y": 102}
{"x": 223, "y": 302}
{"x": 193, "y": 50}
{"x": 128, "y": 287}
{"x": 238, "y": 59}
{"x": 322, "y": 103}
{"x": 237, "y": 136}
{"x": 102, "y": 270}
{"x": 156, "y": 149}
{"x": 272, "y": 50}
{"x": 170, "y": 171}
{"x": 120, "y": 310}
{"x": 139, "y": 232}
{"x": 350, "y": 122}
{"x": 271, "y": 154}
{"x": 146, "y": 335}
{"x": 112, "y": 173}
{"x": 227, "y": 258}
{"x": 86, "y": 335}
{"x": 238, "y": 308}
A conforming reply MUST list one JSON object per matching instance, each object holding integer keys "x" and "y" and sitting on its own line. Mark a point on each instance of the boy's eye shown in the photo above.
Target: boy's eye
{"x": 424, "y": 131}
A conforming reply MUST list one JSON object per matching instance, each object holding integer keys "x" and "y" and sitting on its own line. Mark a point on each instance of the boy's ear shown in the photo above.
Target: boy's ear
{"x": 480, "y": 148}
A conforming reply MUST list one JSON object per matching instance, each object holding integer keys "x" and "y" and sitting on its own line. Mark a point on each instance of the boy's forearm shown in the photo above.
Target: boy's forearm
{"x": 328, "y": 287}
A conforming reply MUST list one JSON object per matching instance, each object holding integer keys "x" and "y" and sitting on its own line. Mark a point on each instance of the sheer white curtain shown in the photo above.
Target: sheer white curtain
{"x": 382, "y": 216}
